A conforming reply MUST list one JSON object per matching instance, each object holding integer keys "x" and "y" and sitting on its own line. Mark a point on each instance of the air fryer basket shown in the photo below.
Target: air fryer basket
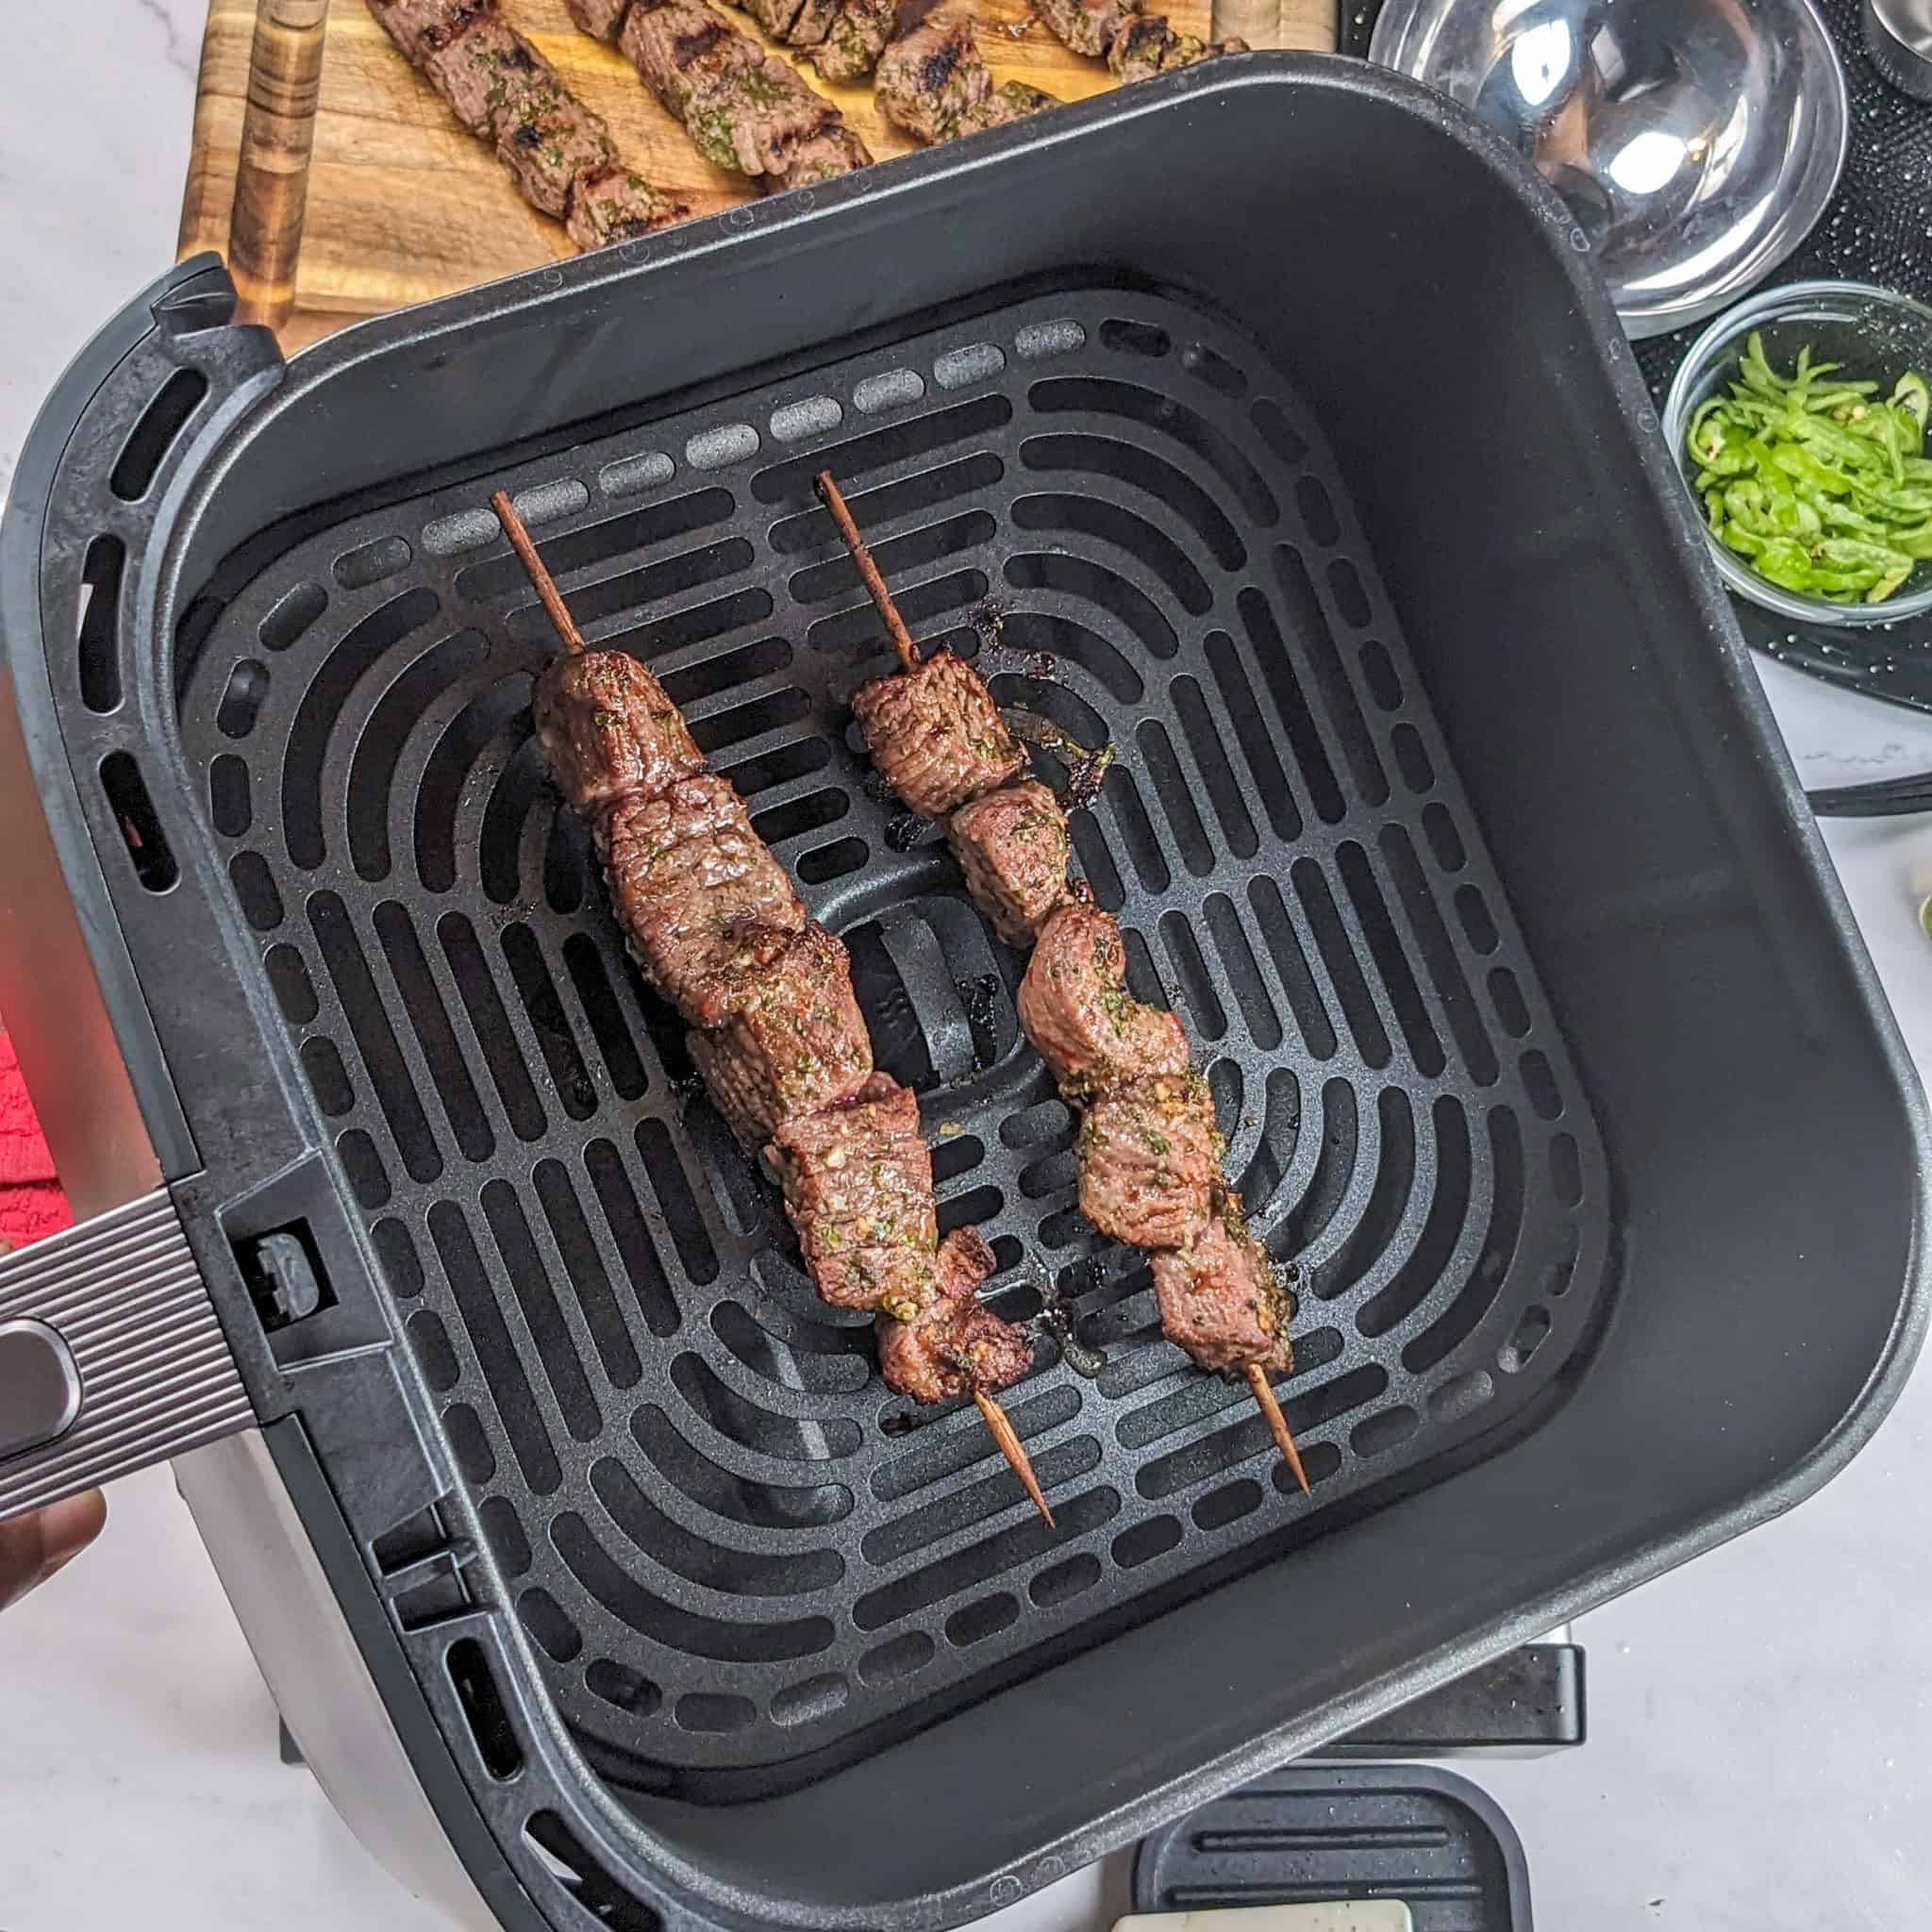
{"x": 734, "y": 1550}
{"x": 1446, "y": 812}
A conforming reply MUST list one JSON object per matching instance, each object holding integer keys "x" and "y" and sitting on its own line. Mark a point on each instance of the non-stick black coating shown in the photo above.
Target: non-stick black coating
{"x": 734, "y": 1549}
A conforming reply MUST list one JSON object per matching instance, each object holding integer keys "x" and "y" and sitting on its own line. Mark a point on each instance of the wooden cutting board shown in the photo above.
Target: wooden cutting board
{"x": 364, "y": 196}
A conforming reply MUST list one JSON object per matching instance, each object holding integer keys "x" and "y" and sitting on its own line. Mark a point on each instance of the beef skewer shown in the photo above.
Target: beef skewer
{"x": 1149, "y": 1153}
{"x": 935, "y": 85}
{"x": 1136, "y": 46}
{"x": 716, "y": 927}
{"x": 560, "y": 155}
{"x": 744, "y": 109}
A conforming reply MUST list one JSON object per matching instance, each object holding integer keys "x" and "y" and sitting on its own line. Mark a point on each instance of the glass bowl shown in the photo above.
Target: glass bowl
{"x": 1875, "y": 334}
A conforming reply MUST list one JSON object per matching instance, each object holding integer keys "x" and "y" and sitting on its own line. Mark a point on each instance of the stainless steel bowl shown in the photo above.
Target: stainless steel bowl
{"x": 1696, "y": 141}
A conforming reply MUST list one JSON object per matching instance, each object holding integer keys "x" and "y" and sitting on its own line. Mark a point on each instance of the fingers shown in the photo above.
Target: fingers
{"x": 34, "y": 1546}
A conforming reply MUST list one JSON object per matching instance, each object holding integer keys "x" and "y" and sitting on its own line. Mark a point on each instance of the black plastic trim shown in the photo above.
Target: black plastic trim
{"x": 1524, "y": 1703}
{"x": 1409, "y": 1832}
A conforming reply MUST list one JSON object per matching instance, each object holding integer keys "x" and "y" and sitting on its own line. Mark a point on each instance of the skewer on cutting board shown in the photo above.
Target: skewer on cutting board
{"x": 834, "y": 501}
{"x": 997, "y": 1421}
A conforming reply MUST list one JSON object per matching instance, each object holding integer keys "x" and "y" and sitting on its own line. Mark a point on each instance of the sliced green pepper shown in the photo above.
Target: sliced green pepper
{"x": 1818, "y": 483}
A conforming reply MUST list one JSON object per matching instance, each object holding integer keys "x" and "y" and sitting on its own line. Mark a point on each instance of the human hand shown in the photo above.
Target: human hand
{"x": 34, "y": 1546}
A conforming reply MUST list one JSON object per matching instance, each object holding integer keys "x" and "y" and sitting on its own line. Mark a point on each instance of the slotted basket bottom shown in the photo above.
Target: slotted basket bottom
{"x": 734, "y": 1549}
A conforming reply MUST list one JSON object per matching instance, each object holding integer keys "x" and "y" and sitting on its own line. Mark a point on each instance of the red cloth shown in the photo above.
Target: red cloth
{"x": 31, "y": 1203}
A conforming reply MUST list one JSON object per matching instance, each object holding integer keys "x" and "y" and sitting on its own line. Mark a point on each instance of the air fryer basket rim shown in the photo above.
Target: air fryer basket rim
{"x": 778, "y": 227}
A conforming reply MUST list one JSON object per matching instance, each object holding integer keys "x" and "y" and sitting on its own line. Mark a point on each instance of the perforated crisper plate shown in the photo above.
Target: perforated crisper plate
{"x": 734, "y": 1545}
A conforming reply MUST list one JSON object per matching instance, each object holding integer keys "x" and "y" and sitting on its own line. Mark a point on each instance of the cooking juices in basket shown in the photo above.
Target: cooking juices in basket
{"x": 1446, "y": 812}
{"x": 732, "y": 1544}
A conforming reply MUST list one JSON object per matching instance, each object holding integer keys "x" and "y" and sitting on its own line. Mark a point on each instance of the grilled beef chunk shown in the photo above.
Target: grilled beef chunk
{"x": 858, "y": 1183}
{"x": 1087, "y": 27}
{"x": 824, "y": 156}
{"x": 931, "y": 76}
{"x": 854, "y": 39}
{"x": 615, "y": 205}
{"x": 548, "y": 140}
{"x": 792, "y": 1040}
{"x": 423, "y": 27}
{"x": 758, "y": 119}
{"x": 1220, "y": 1300}
{"x": 774, "y": 16}
{"x": 1074, "y": 1005}
{"x": 811, "y": 23}
{"x": 744, "y": 108}
{"x": 1012, "y": 846}
{"x": 934, "y": 84}
{"x": 1149, "y": 1160}
{"x": 953, "y": 1343}
{"x": 1013, "y": 100}
{"x": 846, "y": 35}
{"x": 935, "y": 735}
{"x": 481, "y": 72}
{"x": 694, "y": 885}
{"x": 1147, "y": 45}
{"x": 601, "y": 19}
{"x": 858, "y": 1188}
{"x": 609, "y": 729}
{"x": 1135, "y": 44}
{"x": 682, "y": 46}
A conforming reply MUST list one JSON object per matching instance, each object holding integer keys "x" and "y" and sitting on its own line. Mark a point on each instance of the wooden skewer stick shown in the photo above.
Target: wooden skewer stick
{"x": 1008, "y": 1437}
{"x": 868, "y": 572}
{"x": 997, "y": 1420}
{"x": 909, "y": 655}
{"x": 519, "y": 535}
{"x": 1271, "y": 1408}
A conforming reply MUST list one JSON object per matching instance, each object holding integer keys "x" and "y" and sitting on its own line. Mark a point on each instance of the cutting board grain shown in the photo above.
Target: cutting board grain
{"x": 360, "y": 194}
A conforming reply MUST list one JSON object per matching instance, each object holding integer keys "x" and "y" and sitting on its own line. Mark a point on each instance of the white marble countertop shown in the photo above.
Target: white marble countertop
{"x": 1760, "y": 1751}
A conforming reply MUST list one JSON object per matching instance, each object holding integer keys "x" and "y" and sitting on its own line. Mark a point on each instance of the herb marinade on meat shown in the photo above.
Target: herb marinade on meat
{"x": 934, "y": 84}
{"x": 744, "y": 109}
{"x": 559, "y": 153}
{"x": 1136, "y": 46}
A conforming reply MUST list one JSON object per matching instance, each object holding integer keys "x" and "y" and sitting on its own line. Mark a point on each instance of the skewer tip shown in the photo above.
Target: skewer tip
{"x": 1013, "y": 1450}
{"x": 1277, "y": 1423}
{"x": 538, "y": 570}
{"x": 834, "y": 501}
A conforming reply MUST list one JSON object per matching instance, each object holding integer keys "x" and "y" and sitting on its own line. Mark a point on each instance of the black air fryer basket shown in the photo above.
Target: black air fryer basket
{"x": 1446, "y": 811}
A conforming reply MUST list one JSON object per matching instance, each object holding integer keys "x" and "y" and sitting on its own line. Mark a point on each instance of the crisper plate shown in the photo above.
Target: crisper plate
{"x": 737, "y": 1550}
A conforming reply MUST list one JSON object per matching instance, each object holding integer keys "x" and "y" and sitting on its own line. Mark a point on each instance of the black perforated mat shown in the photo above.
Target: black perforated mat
{"x": 733, "y": 1544}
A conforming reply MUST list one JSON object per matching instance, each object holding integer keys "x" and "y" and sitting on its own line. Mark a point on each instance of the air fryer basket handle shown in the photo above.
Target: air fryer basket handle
{"x": 111, "y": 1352}
{"x": 110, "y": 1356}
